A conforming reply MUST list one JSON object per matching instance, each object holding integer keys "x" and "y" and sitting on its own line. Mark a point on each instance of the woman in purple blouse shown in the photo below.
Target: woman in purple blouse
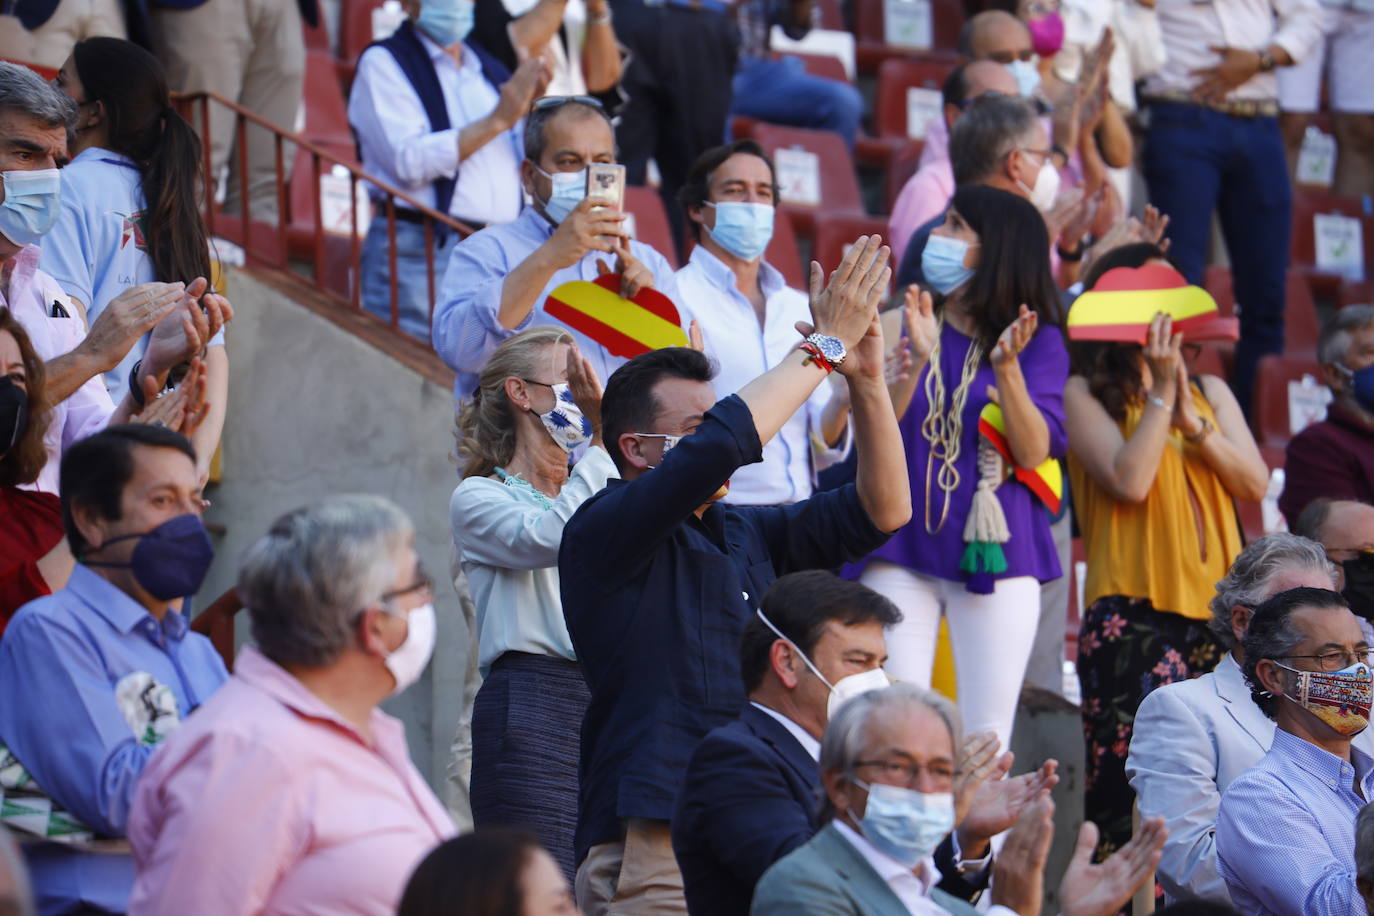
{"x": 979, "y": 545}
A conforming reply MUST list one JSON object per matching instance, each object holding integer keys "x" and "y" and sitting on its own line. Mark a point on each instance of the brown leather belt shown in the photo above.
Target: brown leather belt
{"x": 1239, "y": 108}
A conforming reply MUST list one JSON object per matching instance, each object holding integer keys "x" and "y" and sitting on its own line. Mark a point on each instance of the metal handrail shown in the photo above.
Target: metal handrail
{"x": 195, "y": 107}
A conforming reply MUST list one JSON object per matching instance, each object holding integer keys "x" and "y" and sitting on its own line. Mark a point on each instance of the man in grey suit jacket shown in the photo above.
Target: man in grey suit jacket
{"x": 887, "y": 763}
{"x": 1194, "y": 737}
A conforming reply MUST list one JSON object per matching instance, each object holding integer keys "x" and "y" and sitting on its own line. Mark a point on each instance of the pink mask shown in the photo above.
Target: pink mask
{"x": 1047, "y": 34}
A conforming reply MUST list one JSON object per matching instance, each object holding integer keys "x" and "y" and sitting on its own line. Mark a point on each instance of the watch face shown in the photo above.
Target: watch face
{"x": 831, "y": 347}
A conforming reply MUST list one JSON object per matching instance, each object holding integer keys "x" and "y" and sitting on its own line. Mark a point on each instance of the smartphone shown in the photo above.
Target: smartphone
{"x": 606, "y": 182}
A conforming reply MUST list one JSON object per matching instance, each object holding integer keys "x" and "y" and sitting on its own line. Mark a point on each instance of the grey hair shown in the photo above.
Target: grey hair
{"x": 12, "y": 863}
{"x": 24, "y": 91}
{"x": 1249, "y": 581}
{"x": 1272, "y": 635}
{"x": 305, "y": 581}
{"x": 536, "y": 122}
{"x": 1364, "y": 843}
{"x": 1335, "y": 336}
{"x": 986, "y": 133}
{"x": 848, "y": 729}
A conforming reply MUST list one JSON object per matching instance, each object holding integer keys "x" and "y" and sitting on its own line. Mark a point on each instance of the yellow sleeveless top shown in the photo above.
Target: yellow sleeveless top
{"x": 1173, "y": 547}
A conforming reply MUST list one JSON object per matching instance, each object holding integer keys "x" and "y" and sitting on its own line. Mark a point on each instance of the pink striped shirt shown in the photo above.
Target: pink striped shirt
{"x": 268, "y": 801}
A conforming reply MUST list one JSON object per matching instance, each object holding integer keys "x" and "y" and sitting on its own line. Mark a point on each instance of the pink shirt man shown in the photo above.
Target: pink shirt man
{"x": 266, "y": 800}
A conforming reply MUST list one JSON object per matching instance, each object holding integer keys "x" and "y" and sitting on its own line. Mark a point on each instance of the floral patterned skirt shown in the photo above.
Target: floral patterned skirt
{"x": 1126, "y": 648}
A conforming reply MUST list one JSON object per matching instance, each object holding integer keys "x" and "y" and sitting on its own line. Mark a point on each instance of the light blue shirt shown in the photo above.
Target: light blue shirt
{"x": 743, "y": 350}
{"x": 1286, "y": 831}
{"x": 97, "y": 248}
{"x": 63, "y": 660}
{"x": 466, "y": 329}
{"x": 399, "y": 147}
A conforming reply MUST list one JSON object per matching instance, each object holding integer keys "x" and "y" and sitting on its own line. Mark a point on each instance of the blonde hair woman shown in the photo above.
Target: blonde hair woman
{"x": 537, "y": 400}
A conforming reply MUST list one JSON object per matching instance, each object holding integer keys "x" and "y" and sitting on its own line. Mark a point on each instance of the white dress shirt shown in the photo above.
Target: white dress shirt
{"x": 744, "y": 351}
{"x": 508, "y": 540}
{"x": 808, "y": 743}
{"x": 398, "y": 146}
{"x": 1190, "y": 29}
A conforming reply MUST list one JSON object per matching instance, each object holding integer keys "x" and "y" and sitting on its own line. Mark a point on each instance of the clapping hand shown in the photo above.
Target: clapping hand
{"x": 585, "y": 388}
{"x": 1101, "y": 890}
{"x": 922, "y": 328}
{"x": 187, "y": 330}
{"x": 182, "y": 410}
{"x": 1015, "y": 338}
{"x": 999, "y": 801}
{"x": 978, "y": 761}
{"x": 1018, "y": 875}
{"x": 847, "y": 306}
{"x": 128, "y": 317}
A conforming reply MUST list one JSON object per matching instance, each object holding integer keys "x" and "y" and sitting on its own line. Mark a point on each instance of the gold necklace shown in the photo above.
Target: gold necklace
{"x": 944, "y": 431}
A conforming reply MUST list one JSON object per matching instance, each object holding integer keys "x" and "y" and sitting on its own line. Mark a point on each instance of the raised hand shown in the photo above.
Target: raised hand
{"x": 591, "y": 226}
{"x": 528, "y": 82}
{"x": 977, "y": 762}
{"x": 1185, "y": 418}
{"x": 182, "y": 410}
{"x": 1015, "y": 338}
{"x": 634, "y": 276}
{"x": 1164, "y": 355}
{"x": 1101, "y": 890}
{"x": 1154, "y": 227}
{"x": 585, "y": 387}
{"x": 922, "y": 328}
{"x": 998, "y": 802}
{"x": 129, "y": 316}
{"x": 848, "y": 305}
{"x": 1018, "y": 874}
{"x": 695, "y": 339}
{"x": 188, "y": 330}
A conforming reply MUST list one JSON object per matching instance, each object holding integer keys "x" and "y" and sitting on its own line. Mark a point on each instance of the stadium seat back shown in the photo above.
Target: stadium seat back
{"x": 651, "y": 220}
{"x": 895, "y": 76}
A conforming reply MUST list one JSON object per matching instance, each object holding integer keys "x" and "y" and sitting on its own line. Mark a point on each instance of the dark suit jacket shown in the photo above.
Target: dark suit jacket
{"x": 752, "y": 795}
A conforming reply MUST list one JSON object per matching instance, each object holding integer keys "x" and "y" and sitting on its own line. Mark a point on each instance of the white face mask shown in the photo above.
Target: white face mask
{"x": 1046, "y": 187}
{"x": 846, "y": 688}
{"x": 408, "y": 660}
{"x": 564, "y": 420}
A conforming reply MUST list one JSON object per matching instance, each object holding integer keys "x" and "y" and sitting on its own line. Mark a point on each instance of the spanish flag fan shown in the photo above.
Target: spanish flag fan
{"x": 1125, "y": 300}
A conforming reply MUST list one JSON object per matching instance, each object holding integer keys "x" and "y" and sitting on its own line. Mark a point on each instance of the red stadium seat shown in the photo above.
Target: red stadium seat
{"x": 895, "y": 77}
{"x": 1300, "y": 326}
{"x": 836, "y": 233}
{"x": 300, "y": 230}
{"x": 823, "y": 65}
{"x": 838, "y": 183}
{"x": 783, "y": 254}
{"x": 947, "y": 18}
{"x": 355, "y": 33}
{"x": 326, "y": 114}
{"x": 1307, "y": 203}
{"x": 1270, "y": 408}
{"x": 651, "y": 221}
{"x": 832, "y": 17}
{"x": 317, "y": 36}
{"x": 1217, "y": 281}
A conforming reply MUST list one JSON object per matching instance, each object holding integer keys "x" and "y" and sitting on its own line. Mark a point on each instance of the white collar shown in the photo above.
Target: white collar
{"x": 888, "y": 868}
{"x": 808, "y": 743}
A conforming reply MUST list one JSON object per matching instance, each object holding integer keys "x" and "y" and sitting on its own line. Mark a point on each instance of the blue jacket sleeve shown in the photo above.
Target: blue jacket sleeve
{"x": 827, "y": 530}
{"x": 466, "y": 329}
{"x": 63, "y": 724}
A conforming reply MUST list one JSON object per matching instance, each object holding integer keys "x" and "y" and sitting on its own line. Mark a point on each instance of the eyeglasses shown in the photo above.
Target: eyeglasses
{"x": 1335, "y": 661}
{"x": 668, "y": 441}
{"x": 1044, "y": 154}
{"x": 558, "y": 101}
{"x": 904, "y": 773}
{"x": 422, "y": 582}
{"x": 1006, "y": 57}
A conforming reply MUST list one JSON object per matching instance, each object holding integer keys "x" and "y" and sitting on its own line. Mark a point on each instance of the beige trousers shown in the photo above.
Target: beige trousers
{"x": 458, "y": 794}
{"x": 251, "y": 52}
{"x": 637, "y": 876}
{"x": 72, "y": 21}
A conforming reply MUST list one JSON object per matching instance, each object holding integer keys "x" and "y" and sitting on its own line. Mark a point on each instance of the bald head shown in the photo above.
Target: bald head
{"x": 996, "y": 35}
{"x": 988, "y": 76}
{"x": 1339, "y": 525}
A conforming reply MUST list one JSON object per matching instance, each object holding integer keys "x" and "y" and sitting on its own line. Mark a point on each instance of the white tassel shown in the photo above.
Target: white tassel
{"x": 987, "y": 522}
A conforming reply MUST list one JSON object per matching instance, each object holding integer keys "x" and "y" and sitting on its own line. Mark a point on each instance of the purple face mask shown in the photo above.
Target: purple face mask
{"x": 1047, "y": 34}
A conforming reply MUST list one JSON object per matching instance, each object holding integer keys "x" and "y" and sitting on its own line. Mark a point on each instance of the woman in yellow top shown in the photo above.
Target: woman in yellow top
{"x": 1155, "y": 462}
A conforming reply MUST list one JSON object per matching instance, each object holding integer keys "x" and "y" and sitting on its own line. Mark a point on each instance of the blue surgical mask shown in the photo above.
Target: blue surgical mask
{"x": 33, "y": 201}
{"x": 1361, "y": 385}
{"x": 568, "y": 190}
{"x": 171, "y": 560}
{"x": 906, "y": 824}
{"x": 942, "y": 262}
{"x": 743, "y": 229}
{"x": 447, "y": 21}
{"x": 1027, "y": 76}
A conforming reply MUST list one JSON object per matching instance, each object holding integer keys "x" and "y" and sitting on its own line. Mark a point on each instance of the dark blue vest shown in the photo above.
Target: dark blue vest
{"x": 414, "y": 60}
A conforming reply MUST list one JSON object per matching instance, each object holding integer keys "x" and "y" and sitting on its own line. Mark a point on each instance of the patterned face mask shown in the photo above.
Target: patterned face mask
{"x": 564, "y": 421}
{"x": 1341, "y": 699}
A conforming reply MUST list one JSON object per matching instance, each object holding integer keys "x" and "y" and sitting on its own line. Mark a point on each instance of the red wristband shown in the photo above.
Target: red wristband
{"x": 817, "y": 356}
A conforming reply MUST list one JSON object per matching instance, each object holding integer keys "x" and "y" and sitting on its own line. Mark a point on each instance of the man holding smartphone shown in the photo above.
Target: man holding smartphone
{"x": 498, "y": 279}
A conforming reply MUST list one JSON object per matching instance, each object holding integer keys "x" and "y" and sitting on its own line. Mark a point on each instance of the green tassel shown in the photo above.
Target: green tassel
{"x": 984, "y": 557}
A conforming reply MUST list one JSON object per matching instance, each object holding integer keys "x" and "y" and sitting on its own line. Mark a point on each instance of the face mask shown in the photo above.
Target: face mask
{"x": 14, "y": 413}
{"x": 743, "y": 229}
{"x": 407, "y": 661}
{"x": 1046, "y": 187}
{"x": 1341, "y": 699}
{"x": 843, "y": 690}
{"x": 564, "y": 421}
{"x": 447, "y": 21}
{"x": 906, "y": 824}
{"x": 1361, "y": 385}
{"x": 1359, "y": 583}
{"x": 33, "y": 201}
{"x": 1047, "y": 34}
{"x": 568, "y": 190}
{"x": 942, "y": 262}
{"x": 1026, "y": 75}
{"x": 171, "y": 560}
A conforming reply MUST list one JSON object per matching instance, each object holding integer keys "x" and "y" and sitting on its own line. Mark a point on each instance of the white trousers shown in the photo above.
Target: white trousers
{"x": 991, "y": 637}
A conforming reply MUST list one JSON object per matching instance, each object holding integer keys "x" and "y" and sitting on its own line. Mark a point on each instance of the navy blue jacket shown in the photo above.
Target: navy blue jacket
{"x": 655, "y": 600}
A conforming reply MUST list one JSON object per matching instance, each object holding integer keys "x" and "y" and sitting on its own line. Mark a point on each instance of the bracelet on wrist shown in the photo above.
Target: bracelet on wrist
{"x": 135, "y": 389}
{"x": 602, "y": 19}
{"x": 816, "y": 356}
{"x": 1157, "y": 401}
{"x": 1073, "y": 256}
{"x": 1201, "y": 434}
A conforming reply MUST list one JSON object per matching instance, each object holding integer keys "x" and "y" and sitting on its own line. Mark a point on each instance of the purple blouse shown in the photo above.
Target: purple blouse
{"x": 1030, "y": 552}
